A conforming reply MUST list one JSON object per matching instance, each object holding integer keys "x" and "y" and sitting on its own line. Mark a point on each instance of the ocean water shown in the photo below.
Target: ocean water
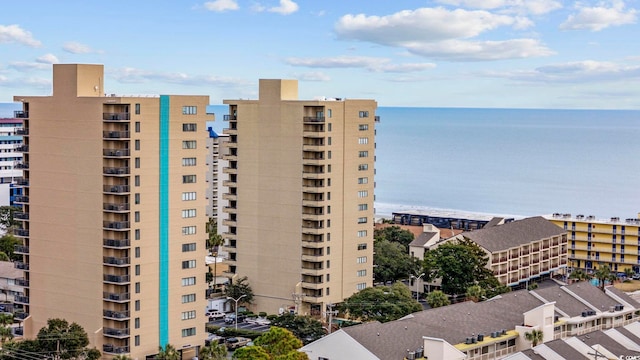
{"x": 515, "y": 162}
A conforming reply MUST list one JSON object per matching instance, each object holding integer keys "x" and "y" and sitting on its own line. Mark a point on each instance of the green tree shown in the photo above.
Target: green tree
{"x": 437, "y": 298}
{"x": 121, "y": 357}
{"x": 59, "y": 338}
{"x": 214, "y": 241}
{"x": 603, "y": 274}
{"x": 6, "y": 319}
{"x": 380, "y": 303}
{"x": 475, "y": 293}
{"x": 238, "y": 288}
{"x": 535, "y": 336}
{"x": 213, "y": 351}
{"x": 7, "y": 222}
{"x": 579, "y": 275}
{"x": 251, "y": 353}
{"x": 392, "y": 261}
{"x": 304, "y": 328}
{"x": 280, "y": 344}
{"x": 168, "y": 352}
{"x": 7, "y": 246}
{"x": 394, "y": 234}
{"x": 458, "y": 264}
{"x": 628, "y": 273}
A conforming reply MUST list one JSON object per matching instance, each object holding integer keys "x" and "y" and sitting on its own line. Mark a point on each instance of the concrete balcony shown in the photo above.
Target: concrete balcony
{"x": 116, "y": 315}
{"x": 116, "y": 279}
{"x": 116, "y": 297}
{"x": 119, "y": 333}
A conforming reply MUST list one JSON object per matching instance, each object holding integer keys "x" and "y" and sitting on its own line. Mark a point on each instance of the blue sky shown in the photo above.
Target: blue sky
{"x": 445, "y": 53}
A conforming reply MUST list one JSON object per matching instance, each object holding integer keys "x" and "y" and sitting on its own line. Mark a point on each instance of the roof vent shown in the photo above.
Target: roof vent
{"x": 480, "y": 337}
{"x": 619, "y": 307}
{"x": 612, "y": 308}
{"x": 504, "y": 331}
{"x": 467, "y": 341}
{"x": 411, "y": 355}
{"x": 419, "y": 353}
{"x": 494, "y": 334}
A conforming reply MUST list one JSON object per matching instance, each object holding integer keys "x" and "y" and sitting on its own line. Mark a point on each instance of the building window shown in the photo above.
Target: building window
{"x": 189, "y": 196}
{"x": 137, "y": 198}
{"x": 362, "y": 246}
{"x": 188, "y": 179}
{"x": 137, "y": 126}
{"x": 328, "y": 264}
{"x": 362, "y": 220}
{"x": 189, "y": 247}
{"x": 189, "y": 281}
{"x": 329, "y": 127}
{"x": 328, "y": 250}
{"x": 188, "y": 332}
{"x": 363, "y": 180}
{"x": 189, "y": 144}
{"x": 363, "y": 114}
{"x": 329, "y": 154}
{"x": 138, "y": 269}
{"x": 329, "y": 140}
{"x": 189, "y": 213}
{"x": 361, "y": 286}
{"x": 189, "y": 161}
{"x": 137, "y": 305}
{"x": 363, "y": 140}
{"x": 363, "y": 193}
{"x": 329, "y": 112}
{"x": 327, "y": 292}
{"x": 361, "y": 207}
{"x": 328, "y": 277}
{"x": 363, "y": 154}
{"x": 137, "y": 251}
{"x": 189, "y": 127}
{"x": 188, "y": 230}
{"x": 137, "y": 109}
{"x": 362, "y": 233}
{"x": 137, "y": 163}
{"x": 188, "y": 315}
{"x": 363, "y": 127}
{"x": 137, "y": 340}
{"x": 363, "y": 167}
{"x": 137, "y": 180}
{"x": 361, "y": 260}
{"x": 137, "y": 288}
{"x": 188, "y": 298}
{"x": 362, "y": 273}
{"x": 188, "y": 264}
{"x": 137, "y": 144}
{"x": 137, "y": 234}
{"x": 189, "y": 110}
{"x": 137, "y": 216}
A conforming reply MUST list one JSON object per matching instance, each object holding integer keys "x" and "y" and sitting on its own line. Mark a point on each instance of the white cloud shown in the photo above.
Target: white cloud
{"x": 312, "y": 76}
{"x": 221, "y": 5}
{"x": 533, "y": 7}
{"x": 424, "y": 25}
{"x": 47, "y": 59}
{"x": 600, "y": 17}
{"x": 576, "y": 72}
{"x": 460, "y": 50}
{"x": 286, "y": 7}
{"x": 77, "y": 48}
{"x": 368, "y": 63}
{"x": 15, "y": 34}
{"x": 25, "y": 66}
{"x": 133, "y": 75}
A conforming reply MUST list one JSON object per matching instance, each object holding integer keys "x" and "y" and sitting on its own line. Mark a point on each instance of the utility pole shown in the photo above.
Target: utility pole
{"x": 330, "y": 306}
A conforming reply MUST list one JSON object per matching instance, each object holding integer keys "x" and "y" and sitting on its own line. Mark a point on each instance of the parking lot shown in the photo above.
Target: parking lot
{"x": 241, "y": 325}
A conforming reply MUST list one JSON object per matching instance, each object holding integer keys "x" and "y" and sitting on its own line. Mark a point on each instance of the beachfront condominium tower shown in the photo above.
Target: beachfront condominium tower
{"x": 113, "y": 214}
{"x": 300, "y": 197}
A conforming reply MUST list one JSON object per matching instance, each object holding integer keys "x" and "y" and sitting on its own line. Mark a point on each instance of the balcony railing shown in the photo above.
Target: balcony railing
{"x": 118, "y": 189}
{"x": 20, "y": 315}
{"x": 21, "y": 299}
{"x": 19, "y": 114}
{"x": 22, "y": 148}
{"x": 124, "y": 332}
{"x": 116, "y": 225}
{"x": 22, "y": 282}
{"x": 22, "y": 131}
{"x": 116, "y": 152}
{"x": 315, "y": 119}
{"x": 115, "y": 170}
{"x": 117, "y": 278}
{"x": 116, "y": 134}
{"x": 116, "y": 116}
{"x": 116, "y": 243}
{"x": 229, "y": 117}
{"x": 20, "y": 249}
{"x": 21, "y": 165}
{"x": 117, "y": 206}
{"x": 116, "y": 296}
{"x": 21, "y": 265}
{"x": 113, "y": 314}
{"x": 113, "y": 349}
{"x": 21, "y": 215}
{"x": 21, "y": 232}
{"x": 22, "y": 181}
{"x": 112, "y": 260}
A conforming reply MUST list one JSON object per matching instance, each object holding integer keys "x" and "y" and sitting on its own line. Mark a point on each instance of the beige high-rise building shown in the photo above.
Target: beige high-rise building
{"x": 301, "y": 193}
{"x": 114, "y": 213}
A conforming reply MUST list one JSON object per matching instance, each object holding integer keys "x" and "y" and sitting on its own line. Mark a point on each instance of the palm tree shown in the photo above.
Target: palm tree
{"x": 475, "y": 293}
{"x": 628, "y": 273}
{"x": 213, "y": 242}
{"x": 535, "y": 336}
{"x": 213, "y": 351}
{"x": 437, "y": 298}
{"x": 603, "y": 273}
{"x": 579, "y": 274}
{"x": 169, "y": 352}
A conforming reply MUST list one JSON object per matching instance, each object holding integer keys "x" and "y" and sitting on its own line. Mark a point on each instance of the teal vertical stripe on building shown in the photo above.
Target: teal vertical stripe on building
{"x": 163, "y": 224}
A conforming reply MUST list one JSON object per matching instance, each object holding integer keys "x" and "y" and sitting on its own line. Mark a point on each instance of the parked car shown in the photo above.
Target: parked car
{"x": 215, "y": 314}
{"x": 231, "y": 318}
{"x": 236, "y": 342}
{"x": 262, "y": 321}
{"x": 213, "y": 337}
{"x": 636, "y": 277}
